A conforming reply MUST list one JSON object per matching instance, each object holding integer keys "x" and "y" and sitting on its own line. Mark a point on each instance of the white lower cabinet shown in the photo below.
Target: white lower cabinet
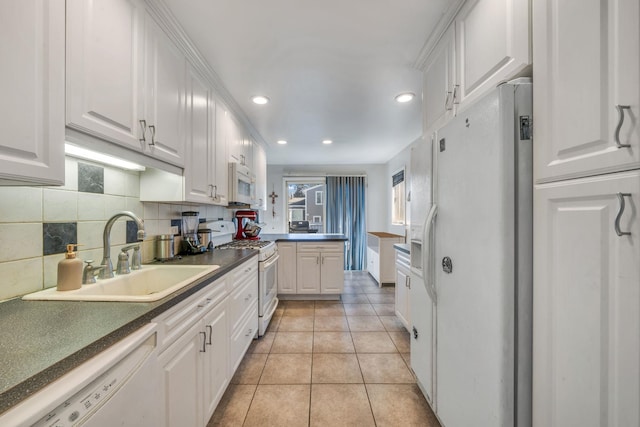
{"x": 202, "y": 341}
{"x": 403, "y": 285}
{"x": 320, "y": 268}
{"x": 287, "y": 267}
{"x": 586, "y": 332}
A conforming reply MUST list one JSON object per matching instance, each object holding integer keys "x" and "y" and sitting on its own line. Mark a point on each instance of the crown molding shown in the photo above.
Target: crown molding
{"x": 443, "y": 23}
{"x": 168, "y": 22}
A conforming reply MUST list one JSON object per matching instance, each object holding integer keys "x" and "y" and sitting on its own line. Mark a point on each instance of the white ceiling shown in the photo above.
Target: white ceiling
{"x": 331, "y": 69}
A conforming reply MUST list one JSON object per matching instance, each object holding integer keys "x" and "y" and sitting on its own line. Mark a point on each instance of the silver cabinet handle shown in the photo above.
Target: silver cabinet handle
{"x": 455, "y": 94}
{"x": 448, "y": 105}
{"x": 152, "y": 128}
{"x": 210, "y": 328}
{"x": 616, "y": 224}
{"x": 143, "y": 126}
{"x": 616, "y": 136}
{"x": 204, "y": 342}
{"x": 407, "y": 282}
{"x": 215, "y": 192}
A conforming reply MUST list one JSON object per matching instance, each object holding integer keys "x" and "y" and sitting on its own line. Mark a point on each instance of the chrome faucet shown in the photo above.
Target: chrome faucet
{"x": 107, "y": 271}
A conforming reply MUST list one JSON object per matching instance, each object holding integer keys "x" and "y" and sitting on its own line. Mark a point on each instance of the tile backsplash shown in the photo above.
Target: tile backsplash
{"x": 37, "y": 222}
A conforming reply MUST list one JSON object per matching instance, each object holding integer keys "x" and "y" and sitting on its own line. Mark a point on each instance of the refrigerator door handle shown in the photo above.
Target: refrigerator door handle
{"x": 426, "y": 254}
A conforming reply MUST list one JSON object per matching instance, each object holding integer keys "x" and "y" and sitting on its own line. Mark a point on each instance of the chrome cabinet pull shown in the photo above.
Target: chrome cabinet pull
{"x": 616, "y": 224}
{"x": 448, "y": 105}
{"x": 143, "y": 126}
{"x": 204, "y": 342}
{"x": 455, "y": 94}
{"x": 210, "y": 328}
{"x": 616, "y": 136}
{"x": 152, "y": 128}
{"x": 215, "y": 192}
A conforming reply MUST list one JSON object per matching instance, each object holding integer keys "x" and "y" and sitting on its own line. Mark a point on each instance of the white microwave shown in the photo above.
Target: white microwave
{"x": 242, "y": 184}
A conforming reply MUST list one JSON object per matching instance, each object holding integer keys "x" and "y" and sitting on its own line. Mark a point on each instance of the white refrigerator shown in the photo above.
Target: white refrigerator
{"x": 476, "y": 264}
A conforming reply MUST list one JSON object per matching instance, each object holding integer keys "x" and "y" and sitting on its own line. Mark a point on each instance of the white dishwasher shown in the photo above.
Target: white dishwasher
{"x": 118, "y": 387}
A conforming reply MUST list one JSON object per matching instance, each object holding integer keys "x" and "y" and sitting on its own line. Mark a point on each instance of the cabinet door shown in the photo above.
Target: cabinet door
{"x": 165, "y": 82}
{"x": 423, "y": 338}
{"x": 287, "y": 268}
{"x": 199, "y": 147}
{"x": 331, "y": 272}
{"x": 32, "y": 86}
{"x": 587, "y": 303}
{"x": 221, "y": 171}
{"x": 402, "y": 297}
{"x": 587, "y": 64}
{"x": 260, "y": 169}
{"x": 104, "y": 69}
{"x": 373, "y": 264}
{"x": 492, "y": 45}
{"x": 308, "y": 273}
{"x": 181, "y": 379}
{"x": 215, "y": 359}
{"x": 439, "y": 85}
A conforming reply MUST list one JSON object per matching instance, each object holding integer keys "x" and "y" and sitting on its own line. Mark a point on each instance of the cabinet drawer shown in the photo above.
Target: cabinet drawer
{"x": 174, "y": 322}
{"x": 240, "y": 274}
{"x": 241, "y": 300}
{"x": 321, "y": 247}
{"x": 242, "y": 337}
{"x": 402, "y": 260}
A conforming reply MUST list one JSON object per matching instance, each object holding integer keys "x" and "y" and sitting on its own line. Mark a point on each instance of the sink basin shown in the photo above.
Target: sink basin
{"x": 151, "y": 283}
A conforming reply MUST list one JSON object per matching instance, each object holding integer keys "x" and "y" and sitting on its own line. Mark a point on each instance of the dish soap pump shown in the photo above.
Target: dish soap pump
{"x": 70, "y": 270}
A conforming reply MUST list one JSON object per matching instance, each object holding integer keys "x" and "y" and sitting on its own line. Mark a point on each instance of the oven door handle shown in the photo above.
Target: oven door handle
{"x": 268, "y": 263}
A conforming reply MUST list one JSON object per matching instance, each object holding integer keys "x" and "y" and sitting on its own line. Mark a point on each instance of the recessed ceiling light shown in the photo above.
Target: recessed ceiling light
{"x": 260, "y": 99}
{"x": 282, "y": 141}
{"x": 327, "y": 141}
{"x": 405, "y": 97}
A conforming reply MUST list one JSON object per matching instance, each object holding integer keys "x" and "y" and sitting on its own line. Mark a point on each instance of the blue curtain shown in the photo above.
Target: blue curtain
{"x": 346, "y": 215}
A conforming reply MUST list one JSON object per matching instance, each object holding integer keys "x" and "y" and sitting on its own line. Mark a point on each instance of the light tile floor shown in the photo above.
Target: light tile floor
{"x": 329, "y": 363}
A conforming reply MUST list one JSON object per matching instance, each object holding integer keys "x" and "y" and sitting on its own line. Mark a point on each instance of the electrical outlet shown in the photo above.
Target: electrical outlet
{"x": 174, "y": 230}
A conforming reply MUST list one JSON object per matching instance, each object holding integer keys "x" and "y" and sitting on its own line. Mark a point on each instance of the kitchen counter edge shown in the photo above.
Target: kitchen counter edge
{"x": 32, "y": 319}
{"x": 305, "y": 237}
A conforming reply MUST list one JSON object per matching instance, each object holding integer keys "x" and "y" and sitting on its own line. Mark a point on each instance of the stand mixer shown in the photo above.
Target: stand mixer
{"x": 246, "y": 226}
{"x": 190, "y": 241}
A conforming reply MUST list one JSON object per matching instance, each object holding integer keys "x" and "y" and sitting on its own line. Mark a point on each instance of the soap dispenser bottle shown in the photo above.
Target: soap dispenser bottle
{"x": 70, "y": 270}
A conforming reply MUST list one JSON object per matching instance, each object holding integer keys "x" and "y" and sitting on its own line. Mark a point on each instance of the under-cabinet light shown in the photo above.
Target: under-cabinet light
{"x": 83, "y": 153}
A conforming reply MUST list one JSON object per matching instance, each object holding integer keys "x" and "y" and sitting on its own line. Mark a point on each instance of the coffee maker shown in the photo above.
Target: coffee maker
{"x": 190, "y": 241}
{"x": 246, "y": 227}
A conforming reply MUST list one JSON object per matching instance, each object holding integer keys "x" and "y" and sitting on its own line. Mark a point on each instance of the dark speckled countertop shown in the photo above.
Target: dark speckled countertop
{"x": 304, "y": 237}
{"x": 42, "y": 340}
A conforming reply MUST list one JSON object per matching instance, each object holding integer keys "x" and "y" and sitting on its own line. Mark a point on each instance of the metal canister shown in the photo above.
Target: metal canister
{"x": 164, "y": 247}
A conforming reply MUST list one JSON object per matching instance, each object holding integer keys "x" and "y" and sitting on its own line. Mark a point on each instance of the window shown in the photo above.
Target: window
{"x": 303, "y": 195}
{"x": 397, "y": 193}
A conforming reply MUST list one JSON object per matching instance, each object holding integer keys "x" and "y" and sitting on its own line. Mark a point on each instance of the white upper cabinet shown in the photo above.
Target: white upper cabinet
{"x": 493, "y": 44}
{"x": 586, "y": 307}
{"x": 32, "y": 34}
{"x": 487, "y": 42}
{"x": 587, "y": 90}
{"x": 221, "y": 178}
{"x": 104, "y": 69}
{"x": 260, "y": 169}
{"x": 165, "y": 68}
{"x": 200, "y": 151}
{"x": 439, "y": 83}
{"x": 125, "y": 78}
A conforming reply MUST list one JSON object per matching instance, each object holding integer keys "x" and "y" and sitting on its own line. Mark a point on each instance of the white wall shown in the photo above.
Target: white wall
{"x": 402, "y": 159}
{"x": 24, "y": 212}
{"x": 376, "y": 196}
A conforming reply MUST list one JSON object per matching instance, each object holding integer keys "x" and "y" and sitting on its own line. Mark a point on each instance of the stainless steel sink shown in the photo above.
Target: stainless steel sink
{"x": 151, "y": 283}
